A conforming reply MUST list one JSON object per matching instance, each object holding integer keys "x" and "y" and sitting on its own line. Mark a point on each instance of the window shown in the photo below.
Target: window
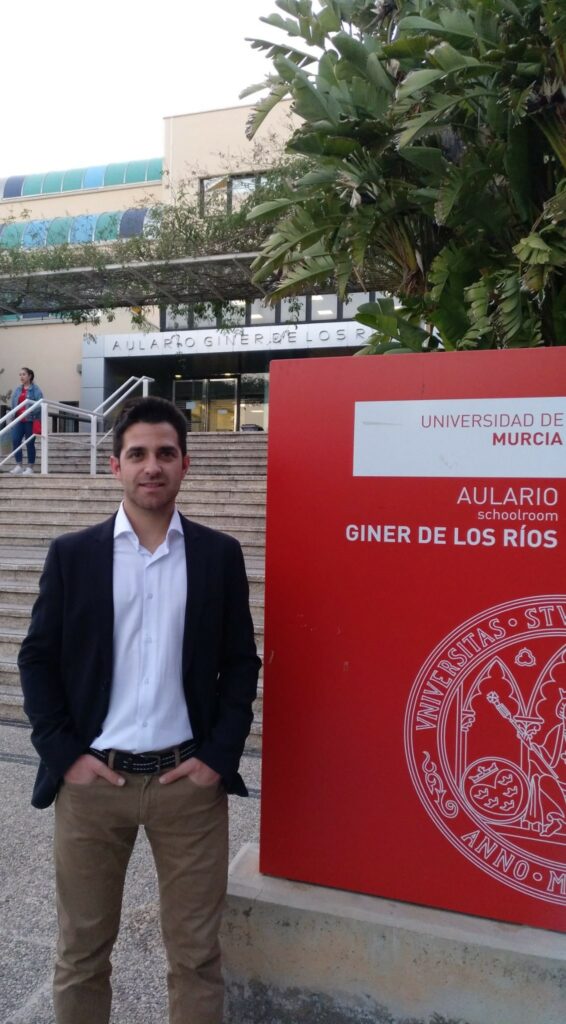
{"x": 260, "y": 313}
{"x": 178, "y": 320}
{"x": 352, "y": 303}
{"x": 294, "y": 310}
{"x": 204, "y": 315}
{"x": 240, "y": 189}
{"x": 324, "y": 307}
{"x": 225, "y": 193}
{"x": 213, "y": 195}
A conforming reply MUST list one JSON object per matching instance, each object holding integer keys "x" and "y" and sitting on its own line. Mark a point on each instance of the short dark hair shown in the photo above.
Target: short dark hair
{"x": 30, "y": 373}
{"x": 148, "y": 410}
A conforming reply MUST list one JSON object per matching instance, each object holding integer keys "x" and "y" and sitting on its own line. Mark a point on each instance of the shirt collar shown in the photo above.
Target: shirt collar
{"x": 122, "y": 524}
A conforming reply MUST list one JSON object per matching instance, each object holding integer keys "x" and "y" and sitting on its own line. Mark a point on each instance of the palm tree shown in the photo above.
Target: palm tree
{"x": 436, "y": 135}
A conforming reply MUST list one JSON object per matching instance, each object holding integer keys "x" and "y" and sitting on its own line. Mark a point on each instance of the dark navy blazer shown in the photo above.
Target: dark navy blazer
{"x": 65, "y": 660}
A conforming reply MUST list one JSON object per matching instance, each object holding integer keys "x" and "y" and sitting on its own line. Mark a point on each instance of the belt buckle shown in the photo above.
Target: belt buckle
{"x": 156, "y": 762}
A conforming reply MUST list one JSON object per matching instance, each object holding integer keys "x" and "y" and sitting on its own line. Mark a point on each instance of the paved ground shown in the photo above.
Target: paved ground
{"x": 27, "y": 901}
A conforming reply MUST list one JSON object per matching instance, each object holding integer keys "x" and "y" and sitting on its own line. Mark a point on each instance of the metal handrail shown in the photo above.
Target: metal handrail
{"x": 16, "y": 411}
{"x": 23, "y": 409}
{"x": 46, "y": 405}
{"x": 133, "y": 382}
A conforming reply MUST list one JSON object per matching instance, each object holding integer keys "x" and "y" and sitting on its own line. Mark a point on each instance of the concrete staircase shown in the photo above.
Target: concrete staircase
{"x": 215, "y": 454}
{"x": 225, "y": 489}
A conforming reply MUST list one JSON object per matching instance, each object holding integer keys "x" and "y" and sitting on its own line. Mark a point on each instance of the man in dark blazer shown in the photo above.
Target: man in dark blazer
{"x": 141, "y": 629}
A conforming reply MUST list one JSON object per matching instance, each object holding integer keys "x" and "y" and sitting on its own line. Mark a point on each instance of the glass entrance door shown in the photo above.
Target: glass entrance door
{"x": 190, "y": 397}
{"x": 222, "y": 393}
{"x": 209, "y": 404}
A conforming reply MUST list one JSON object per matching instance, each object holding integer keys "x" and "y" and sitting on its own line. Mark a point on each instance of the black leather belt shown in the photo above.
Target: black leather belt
{"x": 146, "y": 764}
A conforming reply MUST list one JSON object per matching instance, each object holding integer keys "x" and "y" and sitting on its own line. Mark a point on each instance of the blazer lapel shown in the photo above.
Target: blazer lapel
{"x": 100, "y": 579}
{"x": 196, "y": 564}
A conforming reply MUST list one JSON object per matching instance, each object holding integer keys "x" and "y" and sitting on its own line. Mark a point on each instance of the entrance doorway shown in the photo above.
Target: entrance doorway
{"x": 210, "y": 404}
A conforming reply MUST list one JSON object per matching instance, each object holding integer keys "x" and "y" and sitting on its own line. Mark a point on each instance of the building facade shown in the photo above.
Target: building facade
{"x": 218, "y": 375}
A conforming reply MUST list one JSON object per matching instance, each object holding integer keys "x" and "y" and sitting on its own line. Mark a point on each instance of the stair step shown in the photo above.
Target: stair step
{"x": 12, "y": 572}
{"x": 10, "y": 643}
{"x": 243, "y": 505}
{"x": 194, "y": 484}
{"x": 225, "y": 521}
{"x": 9, "y": 674}
{"x": 22, "y": 580}
{"x": 17, "y": 595}
{"x": 11, "y": 705}
{"x": 37, "y": 536}
{"x": 14, "y": 616}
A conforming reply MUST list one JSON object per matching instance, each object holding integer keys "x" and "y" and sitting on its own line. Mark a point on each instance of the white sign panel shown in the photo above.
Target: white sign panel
{"x": 491, "y": 437}
{"x": 249, "y": 339}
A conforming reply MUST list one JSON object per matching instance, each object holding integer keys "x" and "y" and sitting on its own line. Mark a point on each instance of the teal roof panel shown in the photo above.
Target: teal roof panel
{"x": 58, "y": 231}
{"x": 73, "y": 180}
{"x": 52, "y": 181}
{"x": 33, "y": 185}
{"x": 136, "y": 171}
{"x": 114, "y": 174}
{"x": 11, "y": 236}
{"x": 107, "y": 227}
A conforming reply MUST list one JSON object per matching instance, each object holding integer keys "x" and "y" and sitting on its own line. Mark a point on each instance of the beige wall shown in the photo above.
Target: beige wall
{"x": 72, "y": 204}
{"x": 53, "y": 351}
{"x": 214, "y": 142}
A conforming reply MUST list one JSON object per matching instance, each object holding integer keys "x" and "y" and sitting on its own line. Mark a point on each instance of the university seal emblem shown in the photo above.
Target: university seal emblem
{"x": 485, "y": 740}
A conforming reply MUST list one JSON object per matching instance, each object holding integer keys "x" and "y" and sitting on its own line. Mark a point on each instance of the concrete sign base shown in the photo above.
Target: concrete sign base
{"x": 302, "y": 952}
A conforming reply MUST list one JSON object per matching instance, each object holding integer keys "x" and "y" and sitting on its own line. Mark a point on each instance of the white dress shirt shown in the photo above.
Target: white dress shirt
{"x": 147, "y": 708}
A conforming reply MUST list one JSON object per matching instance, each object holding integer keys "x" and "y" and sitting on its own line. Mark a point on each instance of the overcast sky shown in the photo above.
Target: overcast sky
{"x": 90, "y": 84}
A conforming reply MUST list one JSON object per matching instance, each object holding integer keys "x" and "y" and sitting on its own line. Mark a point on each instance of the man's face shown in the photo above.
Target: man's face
{"x": 151, "y": 466}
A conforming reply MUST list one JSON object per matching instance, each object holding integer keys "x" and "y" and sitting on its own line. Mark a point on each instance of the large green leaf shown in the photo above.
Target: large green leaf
{"x": 379, "y": 75}
{"x": 352, "y": 50}
{"x": 417, "y": 80}
{"x": 427, "y": 158}
{"x": 328, "y": 19}
{"x": 304, "y": 275}
{"x": 408, "y": 46}
{"x": 264, "y": 107}
{"x": 272, "y": 50}
{"x": 266, "y": 210}
{"x": 289, "y": 26}
{"x": 414, "y": 23}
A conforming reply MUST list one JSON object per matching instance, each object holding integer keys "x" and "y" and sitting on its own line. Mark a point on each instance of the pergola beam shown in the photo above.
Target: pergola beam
{"x": 149, "y": 283}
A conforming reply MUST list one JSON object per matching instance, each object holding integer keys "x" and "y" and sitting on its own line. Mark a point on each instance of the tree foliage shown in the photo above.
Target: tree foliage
{"x": 436, "y": 137}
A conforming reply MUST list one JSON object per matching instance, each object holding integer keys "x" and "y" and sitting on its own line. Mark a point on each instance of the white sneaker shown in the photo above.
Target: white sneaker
{"x": 16, "y": 471}
{"x": 28, "y": 471}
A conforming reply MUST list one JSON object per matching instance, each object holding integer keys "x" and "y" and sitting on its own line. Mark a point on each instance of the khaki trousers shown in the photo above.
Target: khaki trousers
{"x": 95, "y": 831}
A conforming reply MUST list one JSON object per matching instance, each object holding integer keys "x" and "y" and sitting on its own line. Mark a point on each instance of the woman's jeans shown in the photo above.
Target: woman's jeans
{"x": 19, "y": 432}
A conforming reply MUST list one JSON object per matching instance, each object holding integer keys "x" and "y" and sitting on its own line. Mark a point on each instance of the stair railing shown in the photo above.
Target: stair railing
{"x": 117, "y": 396}
{"x": 47, "y": 406}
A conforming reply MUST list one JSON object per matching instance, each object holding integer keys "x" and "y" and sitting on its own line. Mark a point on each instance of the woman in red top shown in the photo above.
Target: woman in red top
{"x": 25, "y": 428}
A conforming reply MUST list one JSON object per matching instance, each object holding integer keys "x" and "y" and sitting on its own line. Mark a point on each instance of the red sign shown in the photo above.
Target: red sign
{"x": 415, "y": 649}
